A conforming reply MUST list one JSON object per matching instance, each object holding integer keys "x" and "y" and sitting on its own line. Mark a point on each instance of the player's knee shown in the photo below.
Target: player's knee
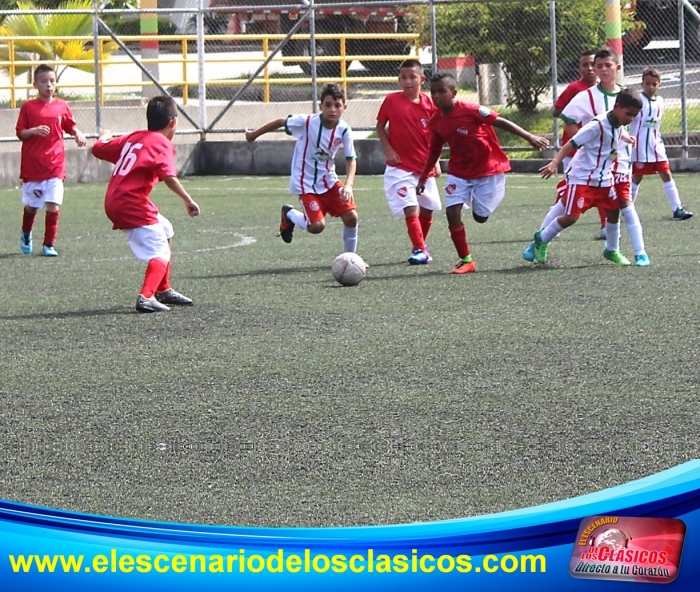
{"x": 316, "y": 227}
{"x": 479, "y": 219}
{"x": 350, "y": 219}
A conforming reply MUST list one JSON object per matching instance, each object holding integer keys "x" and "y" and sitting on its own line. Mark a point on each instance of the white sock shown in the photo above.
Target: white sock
{"x": 558, "y": 209}
{"x": 297, "y": 218}
{"x": 634, "y": 189}
{"x": 672, "y": 194}
{"x": 553, "y": 228}
{"x": 634, "y": 228}
{"x": 612, "y": 231}
{"x": 350, "y": 239}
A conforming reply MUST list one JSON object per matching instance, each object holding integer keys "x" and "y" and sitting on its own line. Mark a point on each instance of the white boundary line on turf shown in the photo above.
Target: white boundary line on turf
{"x": 243, "y": 242}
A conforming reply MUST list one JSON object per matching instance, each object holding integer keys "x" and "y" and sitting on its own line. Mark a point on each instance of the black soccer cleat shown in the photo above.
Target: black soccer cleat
{"x": 286, "y": 226}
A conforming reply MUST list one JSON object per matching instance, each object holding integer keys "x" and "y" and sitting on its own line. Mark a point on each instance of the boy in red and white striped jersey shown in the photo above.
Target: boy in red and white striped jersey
{"x": 590, "y": 177}
{"x": 649, "y": 154}
{"x": 313, "y": 176}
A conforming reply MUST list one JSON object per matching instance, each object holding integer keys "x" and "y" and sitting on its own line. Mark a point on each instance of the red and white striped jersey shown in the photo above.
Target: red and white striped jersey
{"x": 646, "y": 128}
{"x": 594, "y": 161}
{"x": 313, "y": 163}
{"x": 590, "y": 103}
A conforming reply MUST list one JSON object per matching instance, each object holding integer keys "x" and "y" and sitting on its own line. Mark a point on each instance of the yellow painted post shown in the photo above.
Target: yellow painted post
{"x": 266, "y": 50}
{"x": 343, "y": 65}
{"x": 185, "y": 86}
{"x": 149, "y": 46}
{"x": 613, "y": 30}
{"x": 101, "y": 61}
{"x": 13, "y": 96}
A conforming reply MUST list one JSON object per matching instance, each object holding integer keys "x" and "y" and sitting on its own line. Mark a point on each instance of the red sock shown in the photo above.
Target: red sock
{"x": 51, "y": 228}
{"x": 603, "y": 217}
{"x": 459, "y": 238}
{"x": 165, "y": 282}
{"x": 155, "y": 271}
{"x": 425, "y": 223}
{"x": 28, "y": 219}
{"x": 415, "y": 233}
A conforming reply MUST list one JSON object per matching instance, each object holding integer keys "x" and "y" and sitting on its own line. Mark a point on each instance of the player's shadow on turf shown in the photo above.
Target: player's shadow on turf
{"x": 70, "y": 314}
{"x": 280, "y": 271}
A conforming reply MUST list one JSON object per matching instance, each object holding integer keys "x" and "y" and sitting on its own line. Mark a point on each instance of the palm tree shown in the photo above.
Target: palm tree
{"x": 57, "y": 27}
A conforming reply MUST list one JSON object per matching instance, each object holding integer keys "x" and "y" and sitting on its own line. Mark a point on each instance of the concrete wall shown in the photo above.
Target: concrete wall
{"x": 241, "y": 158}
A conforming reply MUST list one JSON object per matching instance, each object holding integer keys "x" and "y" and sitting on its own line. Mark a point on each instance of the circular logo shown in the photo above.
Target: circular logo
{"x": 450, "y": 189}
{"x": 314, "y": 207}
{"x": 402, "y": 192}
{"x": 484, "y": 111}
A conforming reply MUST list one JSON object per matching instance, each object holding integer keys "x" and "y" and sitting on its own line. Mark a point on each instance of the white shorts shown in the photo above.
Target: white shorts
{"x": 151, "y": 241}
{"x": 484, "y": 195}
{"x": 36, "y": 194}
{"x": 400, "y": 191}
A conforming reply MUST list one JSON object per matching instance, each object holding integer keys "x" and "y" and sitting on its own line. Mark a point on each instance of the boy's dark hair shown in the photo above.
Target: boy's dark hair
{"x": 652, "y": 73}
{"x": 159, "y": 112}
{"x": 41, "y": 69}
{"x": 334, "y": 90}
{"x": 606, "y": 52}
{"x": 587, "y": 53}
{"x": 446, "y": 78}
{"x": 628, "y": 98}
{"x": 411, "y": 63}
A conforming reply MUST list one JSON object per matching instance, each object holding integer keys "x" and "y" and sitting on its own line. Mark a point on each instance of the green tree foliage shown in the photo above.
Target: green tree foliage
{"x": 516, "y": 34}
{"x": 57, "y": 27}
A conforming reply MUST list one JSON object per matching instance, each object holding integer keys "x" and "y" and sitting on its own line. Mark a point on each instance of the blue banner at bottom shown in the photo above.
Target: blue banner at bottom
{"x": 646, "y": 531}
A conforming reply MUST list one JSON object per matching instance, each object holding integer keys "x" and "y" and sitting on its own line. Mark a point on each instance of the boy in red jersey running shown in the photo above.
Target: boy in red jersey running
{"x": 477, "y": 164}
{"x": 406, "y": 143}
{"x": 40, "y": 126}
{"x": 142, "y": 159}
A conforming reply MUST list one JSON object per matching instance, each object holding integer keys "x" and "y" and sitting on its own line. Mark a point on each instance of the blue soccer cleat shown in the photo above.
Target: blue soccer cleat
{"x": 25, "y": 242}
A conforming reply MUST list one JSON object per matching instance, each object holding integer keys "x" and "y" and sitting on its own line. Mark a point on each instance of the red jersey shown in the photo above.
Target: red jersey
{"x": 474, "y": 148}
{"x": 408, "y": 128}
{"x": 565, "y": 98}
{"x": 141, "y": 160}
{"x": 43, "y": 157}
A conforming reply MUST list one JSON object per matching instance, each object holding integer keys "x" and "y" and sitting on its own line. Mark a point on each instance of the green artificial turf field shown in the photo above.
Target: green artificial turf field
{"x": 282, "y": 398}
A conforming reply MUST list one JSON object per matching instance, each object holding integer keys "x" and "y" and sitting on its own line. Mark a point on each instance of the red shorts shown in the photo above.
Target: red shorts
{"x": 580, "y": 198}
{"x": 316, "y": 206}
{"x": 651, "y": 168}
{"x": 561, "y": 190}
{"x": 622, "y": 187}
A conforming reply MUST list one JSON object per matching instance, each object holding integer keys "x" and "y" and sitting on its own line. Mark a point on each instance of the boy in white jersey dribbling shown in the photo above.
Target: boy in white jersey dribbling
{"x": 582, "y": 109}
{"x": 649, "y": 153}
{"x": 313, "y": 177}
{"x": 590, "y": 177}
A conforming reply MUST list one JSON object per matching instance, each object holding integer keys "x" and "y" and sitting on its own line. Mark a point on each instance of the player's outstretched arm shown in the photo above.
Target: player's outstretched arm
{"x": 552, "y": 167}
{"x": 173, "y": 183}
{"x": 537, "y": 142}
{"x": 252, "y": 135}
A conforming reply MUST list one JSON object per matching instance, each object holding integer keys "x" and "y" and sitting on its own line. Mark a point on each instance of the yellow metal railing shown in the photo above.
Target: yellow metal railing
{"x": 189, "y": 60}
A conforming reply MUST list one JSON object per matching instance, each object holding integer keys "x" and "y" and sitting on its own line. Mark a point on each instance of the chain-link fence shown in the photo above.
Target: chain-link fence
{"x": 255, "y": 60}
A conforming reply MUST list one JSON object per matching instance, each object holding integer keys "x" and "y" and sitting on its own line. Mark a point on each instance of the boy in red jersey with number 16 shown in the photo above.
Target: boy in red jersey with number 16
{"x": 40, "y": 126}
{"x": 406, "y": 142}
{"x": 142, "y": 159}
{"x": 477, "y": 165}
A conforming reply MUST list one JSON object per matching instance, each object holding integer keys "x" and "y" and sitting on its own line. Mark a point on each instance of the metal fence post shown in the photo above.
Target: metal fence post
{"x": 96, "y": 51}
{"x": 201, "y": 82}
{"x": 684, "y": 94}
{"x": 312, "y": 53}
{"x": 555, "y": 66}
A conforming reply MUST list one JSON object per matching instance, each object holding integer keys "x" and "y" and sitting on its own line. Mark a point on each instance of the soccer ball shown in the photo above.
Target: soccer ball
{"x": 349, "y": 269}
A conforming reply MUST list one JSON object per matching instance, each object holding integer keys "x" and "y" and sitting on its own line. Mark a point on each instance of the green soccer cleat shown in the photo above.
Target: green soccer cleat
{"x": 540, "y": 248}
{"x": 616, "y": 257}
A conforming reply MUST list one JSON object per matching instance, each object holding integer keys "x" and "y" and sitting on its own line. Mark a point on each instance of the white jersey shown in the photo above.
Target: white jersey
{"x": 646, "y": 128}
{"x": 594, "y": 161}
{"x": 590, "y": 103}
{"x": 313, "y": 163}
